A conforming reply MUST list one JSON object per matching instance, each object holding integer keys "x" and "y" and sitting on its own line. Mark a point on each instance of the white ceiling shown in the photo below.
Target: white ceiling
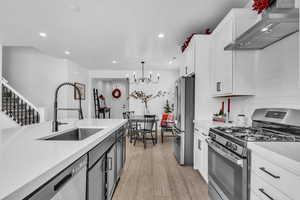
{"x": 96, "y": 32}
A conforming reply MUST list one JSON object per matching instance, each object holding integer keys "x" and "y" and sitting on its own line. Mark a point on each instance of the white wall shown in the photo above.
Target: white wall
{"x": 167, "y": 83}
{"x": 36, "y": 76}
{"x": 105, "y": 87}
{"x": 80, "y": 75}
{"x": 277, "y": 79}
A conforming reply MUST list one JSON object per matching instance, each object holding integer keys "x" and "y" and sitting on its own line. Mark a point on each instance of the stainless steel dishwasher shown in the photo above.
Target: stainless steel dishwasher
{"x": 70, "y": 184}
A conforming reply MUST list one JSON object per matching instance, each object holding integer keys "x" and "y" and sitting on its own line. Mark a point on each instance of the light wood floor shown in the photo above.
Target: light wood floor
{"x": 153, "y": 174}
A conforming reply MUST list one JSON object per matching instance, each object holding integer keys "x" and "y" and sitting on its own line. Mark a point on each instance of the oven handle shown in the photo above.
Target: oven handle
{"x": 226, "y": 154}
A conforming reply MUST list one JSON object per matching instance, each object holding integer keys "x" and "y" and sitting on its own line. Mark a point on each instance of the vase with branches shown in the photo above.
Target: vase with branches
{"x": 146, "y": 98}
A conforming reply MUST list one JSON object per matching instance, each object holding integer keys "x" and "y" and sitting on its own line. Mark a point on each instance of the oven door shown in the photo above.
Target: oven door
{"x": 227, "y": 174}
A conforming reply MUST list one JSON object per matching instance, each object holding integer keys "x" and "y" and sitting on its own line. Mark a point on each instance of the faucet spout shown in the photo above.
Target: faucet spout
{"x": 55, "y": 122}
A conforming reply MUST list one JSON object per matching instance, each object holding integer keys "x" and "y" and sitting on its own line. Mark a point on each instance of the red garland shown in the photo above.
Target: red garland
{"x": 188, "y": 39}
{"x": 116, "y": 93}
{"x": 186, "y": 43}
{"x": 260, "y": 5}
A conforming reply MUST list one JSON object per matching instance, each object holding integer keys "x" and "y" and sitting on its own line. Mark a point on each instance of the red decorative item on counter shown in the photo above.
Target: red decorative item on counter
{"x": 116, "y": 93}
{"x": 261, "y": 5}
{"x": 223, "y": 106}
{"x": 228, "y": 106}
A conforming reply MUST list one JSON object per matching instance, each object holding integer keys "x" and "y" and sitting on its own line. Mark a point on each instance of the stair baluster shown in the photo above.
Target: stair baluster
{"x": 18, "y": 109}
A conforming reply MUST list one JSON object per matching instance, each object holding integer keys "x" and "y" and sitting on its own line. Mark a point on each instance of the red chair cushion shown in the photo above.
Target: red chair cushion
{"x": 165, "y": 118}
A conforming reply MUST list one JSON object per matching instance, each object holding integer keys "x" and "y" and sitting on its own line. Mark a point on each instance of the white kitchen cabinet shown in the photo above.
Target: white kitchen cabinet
{"x": 273, "y": 179}
{"x": 204, "y": 106}
{"x": 253, "y": 196}
{"x": 188, "y": 66}
{"x": 197, "y": 151}
{"x": 265, "y": 191}
{"x": 201, "y": 153}
{"x": 232, "y": 71}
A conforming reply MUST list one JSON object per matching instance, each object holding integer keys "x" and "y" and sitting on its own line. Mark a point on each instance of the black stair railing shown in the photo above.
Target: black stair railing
{"x": 17, "y": 108}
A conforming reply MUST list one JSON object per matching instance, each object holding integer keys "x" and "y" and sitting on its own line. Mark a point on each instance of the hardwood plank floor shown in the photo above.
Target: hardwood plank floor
{"x": 153, "y": 174}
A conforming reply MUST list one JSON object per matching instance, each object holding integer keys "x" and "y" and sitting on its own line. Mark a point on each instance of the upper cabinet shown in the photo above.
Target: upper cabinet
{"x": 232, "y": 71}
{"x": 188, "y": 66}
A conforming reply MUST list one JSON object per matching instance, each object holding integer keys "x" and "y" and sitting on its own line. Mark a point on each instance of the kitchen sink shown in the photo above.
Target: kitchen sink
{"x": 74, "y": 135}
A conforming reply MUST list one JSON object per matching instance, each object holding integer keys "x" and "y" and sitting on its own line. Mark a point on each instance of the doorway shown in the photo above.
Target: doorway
{"x": 105, "y": 87}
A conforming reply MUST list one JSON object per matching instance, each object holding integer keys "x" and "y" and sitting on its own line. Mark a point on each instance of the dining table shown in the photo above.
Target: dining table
{"x": 136, "y": 119}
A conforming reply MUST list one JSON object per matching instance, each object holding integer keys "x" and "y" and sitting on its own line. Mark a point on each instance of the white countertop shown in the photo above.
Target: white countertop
{"x": 285, "y": 154}
{"x": 27, "y": 163}
{"x": 211, "y": 124}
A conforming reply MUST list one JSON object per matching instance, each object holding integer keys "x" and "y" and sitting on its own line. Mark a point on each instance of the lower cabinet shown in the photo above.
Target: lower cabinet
{"x": 119, "y": 146}
{"x": 106, "y": 162}
{"x": 111, "y": 171}
{"x": 271, "y": 179}
{"x": 96, "y": 181}
{"x": 201, "y": 154}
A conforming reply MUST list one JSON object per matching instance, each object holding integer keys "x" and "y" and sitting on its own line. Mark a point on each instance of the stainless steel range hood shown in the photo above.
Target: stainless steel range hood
{"x": 276, "y": 23}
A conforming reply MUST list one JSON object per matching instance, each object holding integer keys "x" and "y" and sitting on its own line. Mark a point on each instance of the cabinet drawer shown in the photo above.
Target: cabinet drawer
{"x": 264, "y": 191}
{"x": 287, "y": 182}
{"x": 253, "y": 196}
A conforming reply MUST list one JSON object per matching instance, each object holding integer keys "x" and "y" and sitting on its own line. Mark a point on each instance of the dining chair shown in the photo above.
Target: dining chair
{"x": 167, "y": 125}
{"x": 132, "y": 126}
{"x": 146, "y": 128}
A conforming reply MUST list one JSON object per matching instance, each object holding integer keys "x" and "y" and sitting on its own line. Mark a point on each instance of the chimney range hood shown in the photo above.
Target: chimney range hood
{"x": 276, "y": 23}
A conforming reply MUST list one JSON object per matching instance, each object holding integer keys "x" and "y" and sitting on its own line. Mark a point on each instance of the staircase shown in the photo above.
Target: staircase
{"x": 17, "y": 107}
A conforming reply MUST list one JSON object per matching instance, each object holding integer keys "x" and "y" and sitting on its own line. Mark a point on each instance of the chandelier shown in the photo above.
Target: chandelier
{"x": 144, "y": 79}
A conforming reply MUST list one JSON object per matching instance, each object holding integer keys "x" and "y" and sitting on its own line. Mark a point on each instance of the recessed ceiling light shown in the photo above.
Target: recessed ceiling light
{"x": 161, "y": 35}
{"x": 114, "y": 62}
{"x": 42, "y": 34}
{"x": 67, "y": 52}
{"x": 170, "y": 62}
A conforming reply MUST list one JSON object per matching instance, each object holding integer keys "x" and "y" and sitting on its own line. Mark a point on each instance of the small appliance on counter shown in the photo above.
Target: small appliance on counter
{"x": 241, "y": 120}
{"x": 229, "y": 157}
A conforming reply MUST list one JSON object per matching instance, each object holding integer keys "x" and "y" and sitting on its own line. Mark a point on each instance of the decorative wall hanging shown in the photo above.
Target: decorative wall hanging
{"x": 81, "y": 87}
{"x": 116, "y": 93}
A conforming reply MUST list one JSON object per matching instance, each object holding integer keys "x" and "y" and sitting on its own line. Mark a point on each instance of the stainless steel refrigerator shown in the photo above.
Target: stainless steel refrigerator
{"x": 185, "y": 106}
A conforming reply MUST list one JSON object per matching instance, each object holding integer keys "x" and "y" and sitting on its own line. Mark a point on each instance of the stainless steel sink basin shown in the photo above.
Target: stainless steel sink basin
{"x": 75, "y": 134}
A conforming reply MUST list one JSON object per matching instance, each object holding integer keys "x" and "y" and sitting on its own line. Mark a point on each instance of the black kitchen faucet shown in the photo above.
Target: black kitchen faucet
{"x": 55, "y": 122}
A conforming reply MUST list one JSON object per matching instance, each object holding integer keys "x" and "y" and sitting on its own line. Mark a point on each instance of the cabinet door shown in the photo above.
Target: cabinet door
{"x": 124, "y": 150}
{"x": 191, "y": 58}
{"x": 184, "y": 67}
{"x": 119, "y": 156}
{"x": 223, "y": 60}
{"x": 196, "y": 152}
{"x": 204, "y": 159}
{"x": 111, "y": 170}
{"x": 96, "y": 181}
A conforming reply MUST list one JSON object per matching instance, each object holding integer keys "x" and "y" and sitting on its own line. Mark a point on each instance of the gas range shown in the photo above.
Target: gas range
{"x": 228, "y": 155}
{"x": 269, "y": 125}
{"x": 254, "y": 134}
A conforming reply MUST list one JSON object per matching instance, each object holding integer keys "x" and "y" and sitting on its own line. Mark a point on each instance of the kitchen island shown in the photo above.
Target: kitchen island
{"x": 28, "y": 162}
